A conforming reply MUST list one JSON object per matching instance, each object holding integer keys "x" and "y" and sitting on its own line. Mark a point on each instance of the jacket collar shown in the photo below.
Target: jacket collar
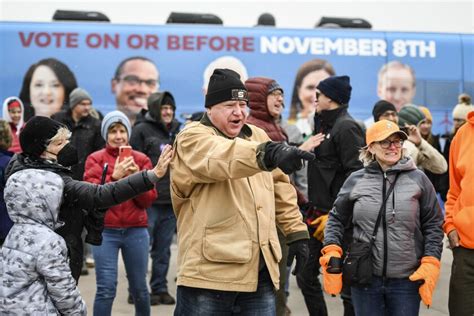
{"x": 245, "y": 132}
{"x": 22, "y": 161}
{"x": 329, "y": 117}
{"x": 404, "y": 164}
{"x": 170, "y": 128}
{"x": 113, "y": 151}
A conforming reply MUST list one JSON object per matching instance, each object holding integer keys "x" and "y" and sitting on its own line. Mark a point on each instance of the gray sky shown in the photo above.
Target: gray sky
{"x": 384, "y": 15}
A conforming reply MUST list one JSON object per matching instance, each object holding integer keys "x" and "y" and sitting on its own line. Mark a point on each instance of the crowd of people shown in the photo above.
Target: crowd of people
{"x": 358, "y": 209}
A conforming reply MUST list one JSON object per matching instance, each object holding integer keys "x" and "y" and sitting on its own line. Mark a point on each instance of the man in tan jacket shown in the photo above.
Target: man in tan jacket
{"x": 228, "y": 190}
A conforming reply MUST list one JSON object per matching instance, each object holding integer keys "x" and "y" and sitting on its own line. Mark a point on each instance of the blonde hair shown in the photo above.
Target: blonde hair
{"x": 62, "y": 134}
{"x": 366, "y": 157}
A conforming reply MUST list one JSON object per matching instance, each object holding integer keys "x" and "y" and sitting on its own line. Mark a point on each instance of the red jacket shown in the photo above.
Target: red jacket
{"x": 131, "y": 213}
{"x": 259, "y": 115}
{"x": 15, "y": 147}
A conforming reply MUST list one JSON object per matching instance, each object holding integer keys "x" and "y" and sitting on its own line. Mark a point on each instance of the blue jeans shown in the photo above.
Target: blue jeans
{"x": 134, "y": 245}
{"x": 205, "y": 302}
{"x": 390, "y": 297}
{"x": 161, "y": 227}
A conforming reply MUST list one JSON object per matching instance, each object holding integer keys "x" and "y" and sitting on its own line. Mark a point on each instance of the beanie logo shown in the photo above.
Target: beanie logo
{"x": 239, "y": 94}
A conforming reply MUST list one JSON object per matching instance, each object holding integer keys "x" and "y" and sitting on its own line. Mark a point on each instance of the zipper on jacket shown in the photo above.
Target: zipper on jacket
{"x": 384, "y": 223}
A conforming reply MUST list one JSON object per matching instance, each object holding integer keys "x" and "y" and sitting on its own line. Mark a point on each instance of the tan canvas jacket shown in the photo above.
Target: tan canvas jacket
{"x": 226, "y": 208}
{"x": 426, "y": 157}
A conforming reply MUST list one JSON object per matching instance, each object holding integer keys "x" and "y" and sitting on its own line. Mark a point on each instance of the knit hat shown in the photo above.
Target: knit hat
{"x": 461, "y": 110}
{"x": 411, "y": 115}
{"x": 381, "y": 107}
{"x": 336, "y": 88}
{"x": 426, "y": 112}
{"x": 274, "y": 86}
{"x": 225, "y": 85}
{"x": 37, "y": 133}
{"x": 381, "y": 130}
{"x": 77, "y": 96}
{"x": 115, "y": 117}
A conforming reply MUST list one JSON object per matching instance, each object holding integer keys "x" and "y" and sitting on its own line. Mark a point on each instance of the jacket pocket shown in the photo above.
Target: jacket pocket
{"x": 464, "y": 221}
{"x": 180, "y": 203}
{"x": 228, "y": 241}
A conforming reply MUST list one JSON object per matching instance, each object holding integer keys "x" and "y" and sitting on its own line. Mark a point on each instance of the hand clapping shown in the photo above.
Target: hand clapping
{"x": 163, "y": 162}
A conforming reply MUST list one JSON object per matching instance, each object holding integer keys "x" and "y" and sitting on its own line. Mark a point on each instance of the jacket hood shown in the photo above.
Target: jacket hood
{"x": 34, "y": 196}
{"x": 6, "y": 115}
{"x": 470, "y": 118}
{"x": 21, "y": 162}
{"x": 156, "y": 100}
{"x": 258, "y": 92}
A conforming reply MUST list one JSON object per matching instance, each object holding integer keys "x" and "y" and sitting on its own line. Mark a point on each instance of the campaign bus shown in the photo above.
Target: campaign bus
{"x": 443, "y": 64}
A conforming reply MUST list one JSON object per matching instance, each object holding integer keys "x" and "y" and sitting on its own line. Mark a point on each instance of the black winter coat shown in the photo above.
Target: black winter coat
{"x": 79, "y": 196}
{"x": 336, "y": 158}
{"x": 150, "y": 136}
{"x": 86, "y": 137}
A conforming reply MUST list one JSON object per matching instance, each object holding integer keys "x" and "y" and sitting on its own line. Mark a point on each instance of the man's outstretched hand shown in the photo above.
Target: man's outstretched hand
{"x": 287, "y": 158}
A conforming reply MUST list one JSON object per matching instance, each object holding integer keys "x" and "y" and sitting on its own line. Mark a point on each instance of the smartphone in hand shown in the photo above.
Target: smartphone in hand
{"x": 124, "y": 152}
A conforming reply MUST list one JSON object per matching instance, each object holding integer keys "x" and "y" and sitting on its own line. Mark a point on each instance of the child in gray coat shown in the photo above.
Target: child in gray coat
{"x": 35, "y": 277}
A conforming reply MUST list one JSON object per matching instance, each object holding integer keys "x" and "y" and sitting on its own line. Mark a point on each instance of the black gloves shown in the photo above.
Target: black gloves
{"x": 287, "y": 158}
{"x": 94, "y": 223}
{"x": 298, "y": 249}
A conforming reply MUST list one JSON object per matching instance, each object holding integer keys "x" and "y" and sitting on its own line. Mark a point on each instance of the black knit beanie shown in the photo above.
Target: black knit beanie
{"x": 336, "y": 88}
{"x": 35, "y": 136}
{"x": 225, "y": 85}
{"x": 381, "y": 107}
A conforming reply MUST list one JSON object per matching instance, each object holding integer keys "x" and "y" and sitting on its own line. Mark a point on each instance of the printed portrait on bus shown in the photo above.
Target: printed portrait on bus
{"x": 303, "y": 97}
{"x": 46, "y": 88}
{"x": 396, "y": 83}
{"x": 134, "y": 80}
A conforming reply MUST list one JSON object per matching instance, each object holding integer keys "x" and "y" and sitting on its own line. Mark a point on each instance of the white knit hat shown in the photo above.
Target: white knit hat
{"x": 461, "y": 110}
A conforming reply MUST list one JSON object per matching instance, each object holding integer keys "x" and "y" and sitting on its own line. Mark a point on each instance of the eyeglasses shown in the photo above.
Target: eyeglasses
{"x": 386, "y": 144}
{"x": 276, "y": 93}
{"x": 133, "y": 80}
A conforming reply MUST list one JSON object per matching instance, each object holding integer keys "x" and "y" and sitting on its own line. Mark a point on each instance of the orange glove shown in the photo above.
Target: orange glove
{"x": 332, "y": 282}
{"x": 428, "y": 272}
{"x": 320, "y": 224}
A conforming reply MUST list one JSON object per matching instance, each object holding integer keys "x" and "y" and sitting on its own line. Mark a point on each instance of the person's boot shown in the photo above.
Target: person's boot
{"x": 154, "y": 299}
{"x": 84, "y": 270}
{"x": 163, "y": 298}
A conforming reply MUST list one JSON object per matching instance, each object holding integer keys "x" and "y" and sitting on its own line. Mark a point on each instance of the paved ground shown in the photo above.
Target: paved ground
{"x": 296, "y": 302}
